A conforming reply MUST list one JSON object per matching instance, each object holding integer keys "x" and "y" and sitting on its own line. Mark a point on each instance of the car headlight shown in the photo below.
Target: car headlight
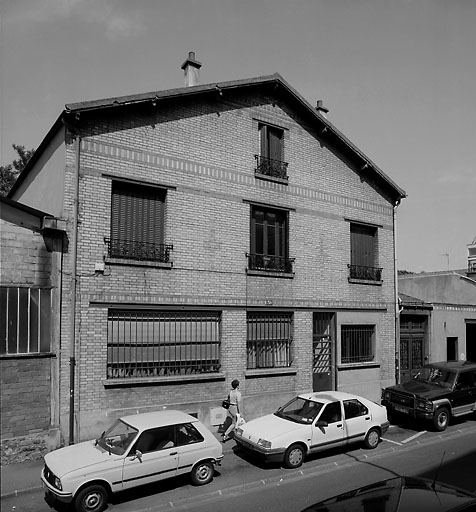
{"x": 239, "y": 431}
{"x": 58, "y": 484}
{"x": 385, "y": 395}
{"x": 264, "y": 444}
{"x": 424, "y": 405}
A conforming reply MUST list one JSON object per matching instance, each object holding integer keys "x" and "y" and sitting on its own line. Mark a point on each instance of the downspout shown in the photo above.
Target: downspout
{"x": 74, "y": 257}
{"x": 397, "y": 305}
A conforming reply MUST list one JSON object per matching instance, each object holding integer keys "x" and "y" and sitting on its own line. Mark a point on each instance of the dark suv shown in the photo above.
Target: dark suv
{"x": 438, "y": 392}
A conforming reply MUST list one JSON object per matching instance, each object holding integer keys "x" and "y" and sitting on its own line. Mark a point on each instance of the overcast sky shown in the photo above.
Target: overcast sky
{"x": 398, "y": 76}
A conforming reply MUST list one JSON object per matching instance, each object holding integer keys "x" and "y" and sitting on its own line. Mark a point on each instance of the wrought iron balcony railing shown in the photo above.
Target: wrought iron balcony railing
{"x": 142, "y": 251}
{"x": 365, "y": 273}
{"x": 270, "y": 263}
{"x": 272, "y": 168}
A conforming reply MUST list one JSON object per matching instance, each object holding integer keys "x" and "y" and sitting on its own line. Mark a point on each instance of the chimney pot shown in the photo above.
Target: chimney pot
{"x": 191, "y": 68}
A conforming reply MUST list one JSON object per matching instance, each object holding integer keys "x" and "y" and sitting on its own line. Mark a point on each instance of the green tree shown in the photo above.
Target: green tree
{"x": 9, "y": 173}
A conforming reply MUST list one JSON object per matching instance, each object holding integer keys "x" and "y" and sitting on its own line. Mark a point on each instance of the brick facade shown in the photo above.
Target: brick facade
{"x": 202, "y": 150}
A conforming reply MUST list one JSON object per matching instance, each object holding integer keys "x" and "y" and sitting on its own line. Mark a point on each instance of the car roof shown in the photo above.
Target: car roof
{"x": 328, "y": 396}
{"x": 158, "y": 419}
{"x": 454, "y": 365}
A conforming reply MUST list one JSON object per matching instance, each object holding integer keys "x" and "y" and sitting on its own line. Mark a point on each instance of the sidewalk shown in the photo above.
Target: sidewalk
{"x": 24, "y": 477}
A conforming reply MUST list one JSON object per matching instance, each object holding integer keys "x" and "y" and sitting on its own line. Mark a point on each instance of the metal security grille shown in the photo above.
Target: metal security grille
{"x": 269, "y": 340}
{"x": 25, "y": 320}
{"x": 357, "y": 343}
{"x": 162, "y": 343}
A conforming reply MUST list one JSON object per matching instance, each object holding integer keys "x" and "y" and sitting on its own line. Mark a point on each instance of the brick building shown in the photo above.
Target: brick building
{"x": 213, "y": 232}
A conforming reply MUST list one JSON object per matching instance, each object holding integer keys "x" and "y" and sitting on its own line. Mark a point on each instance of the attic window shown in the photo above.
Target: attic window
{"x": 269, "y": 163}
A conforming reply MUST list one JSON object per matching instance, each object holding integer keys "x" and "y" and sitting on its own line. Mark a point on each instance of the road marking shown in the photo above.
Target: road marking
{"x": 418, "y": 434}
{"x": 390, "y": 441}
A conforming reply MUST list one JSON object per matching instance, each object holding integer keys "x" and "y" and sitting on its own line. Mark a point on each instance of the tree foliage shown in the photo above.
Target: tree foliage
{"x": 9, "y": 173}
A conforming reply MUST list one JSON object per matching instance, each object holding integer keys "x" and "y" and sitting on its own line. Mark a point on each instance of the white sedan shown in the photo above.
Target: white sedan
{"x": 312, "y": 422}
{"x": 136, "y": 450}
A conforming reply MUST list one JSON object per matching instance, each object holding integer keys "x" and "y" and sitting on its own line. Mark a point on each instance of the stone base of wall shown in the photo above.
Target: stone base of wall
{"x": 31, "y": 447}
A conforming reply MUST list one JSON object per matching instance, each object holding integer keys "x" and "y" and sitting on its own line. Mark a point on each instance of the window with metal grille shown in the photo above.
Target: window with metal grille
{"x": 269, "y": 240}
{"x": 137, "y": 223}
{"x": 269, "y": 340}
{"x": 364, "y": 253}
{"x": 25, "y": 320}
{"x": 162, "y": 343}
{"x": 270, "y": 161}
{"x": 357, "y": 343}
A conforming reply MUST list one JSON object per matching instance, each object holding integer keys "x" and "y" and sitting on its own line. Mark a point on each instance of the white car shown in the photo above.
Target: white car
{"x": 136, "y": 450}
{"x": 312, "y": 422}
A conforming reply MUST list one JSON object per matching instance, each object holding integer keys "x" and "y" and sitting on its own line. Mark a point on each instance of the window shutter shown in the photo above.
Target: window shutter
{"x": 275, "y": 144}
{"x": 362, "y": 239}
{"x": 137, "y": 213}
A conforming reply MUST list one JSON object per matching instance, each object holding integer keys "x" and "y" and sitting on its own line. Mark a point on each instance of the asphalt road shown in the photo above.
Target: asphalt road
{"x": 243, "y": 484}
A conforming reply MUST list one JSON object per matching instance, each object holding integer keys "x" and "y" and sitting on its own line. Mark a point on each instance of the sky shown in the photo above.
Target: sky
{"x": 398, "y": 78}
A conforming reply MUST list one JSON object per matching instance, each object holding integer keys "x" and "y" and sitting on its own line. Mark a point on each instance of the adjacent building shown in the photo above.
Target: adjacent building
{"x": 211, "y": 232}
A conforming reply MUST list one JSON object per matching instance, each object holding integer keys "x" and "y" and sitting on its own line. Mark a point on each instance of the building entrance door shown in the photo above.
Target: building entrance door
{"x": 471, "y": 341}
{"x": 412, "y": 335}
{"x": 322, "y": 350}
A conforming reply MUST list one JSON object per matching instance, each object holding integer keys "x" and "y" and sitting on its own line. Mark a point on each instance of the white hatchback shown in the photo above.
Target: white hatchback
{"x": 136, "y": 450}
{"x": 312, "y": 422}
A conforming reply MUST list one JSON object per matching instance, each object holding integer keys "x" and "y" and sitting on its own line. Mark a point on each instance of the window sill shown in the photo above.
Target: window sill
{"x": 265, "y": 273}
{"x": 266, "y": 372}
{"x": 138, "y": 263}
{"x": 365, "y": 281}
{"x": 357, "y": 366}
{"x": 157, "y": 381}
{"x": 36, "y": 355}
{"x": 283, "y": 181}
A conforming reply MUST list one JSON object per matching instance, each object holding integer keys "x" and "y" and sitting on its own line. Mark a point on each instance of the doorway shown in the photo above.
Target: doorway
{"x": 471, "y": 341}
{"x": 412, "y": 348}
{"x": 323, "y": 339}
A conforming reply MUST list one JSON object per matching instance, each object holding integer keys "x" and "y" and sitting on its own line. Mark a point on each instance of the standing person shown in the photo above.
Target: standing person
{"x": 236, "y": 407}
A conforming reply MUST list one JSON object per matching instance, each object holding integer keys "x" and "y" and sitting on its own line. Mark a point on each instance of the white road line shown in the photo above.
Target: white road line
{"x": 418, "y": 434}
{"x": 390, "y": 441}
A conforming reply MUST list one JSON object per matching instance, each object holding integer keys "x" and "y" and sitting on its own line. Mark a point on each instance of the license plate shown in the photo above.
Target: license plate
{"x": 399, "y": 408}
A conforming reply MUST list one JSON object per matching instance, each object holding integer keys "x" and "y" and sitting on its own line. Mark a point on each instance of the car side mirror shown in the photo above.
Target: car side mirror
{"x": 322, "y": 423}
{"x": 138, "y": 455}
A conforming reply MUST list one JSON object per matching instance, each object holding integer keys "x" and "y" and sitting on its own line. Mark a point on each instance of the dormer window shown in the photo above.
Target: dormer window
{"x": 269, "y": 163}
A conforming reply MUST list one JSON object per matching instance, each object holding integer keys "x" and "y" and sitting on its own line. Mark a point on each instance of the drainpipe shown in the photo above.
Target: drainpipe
{"x": 397, "y": 306}
{"x": 74, "y": 257}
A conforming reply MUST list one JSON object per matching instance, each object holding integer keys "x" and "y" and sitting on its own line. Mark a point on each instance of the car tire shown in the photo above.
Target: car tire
{"x": 294, "y": 456}
{"x": 202, "y": 473}
{"x": 91, "y": 499}
{"x": 372, "y": 439}
{"x": 441, "y": 419}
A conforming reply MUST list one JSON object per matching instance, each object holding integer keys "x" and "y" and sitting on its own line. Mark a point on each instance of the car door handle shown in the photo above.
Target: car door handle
{"x": 367, "y": 418}
{"x": 340, "y": 425}
{"x": 173, "y": 453}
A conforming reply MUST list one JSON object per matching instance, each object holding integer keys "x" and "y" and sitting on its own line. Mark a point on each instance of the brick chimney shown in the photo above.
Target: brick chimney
{"x": 191, "y": 68}
{"x": 321, "y": 109}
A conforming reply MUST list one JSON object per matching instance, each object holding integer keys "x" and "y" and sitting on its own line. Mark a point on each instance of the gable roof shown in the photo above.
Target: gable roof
{"x": 275, "y": 83}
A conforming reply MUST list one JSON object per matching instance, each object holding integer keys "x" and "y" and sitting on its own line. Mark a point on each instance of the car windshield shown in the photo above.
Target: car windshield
{"x": 118, "y": 438}
{"x": 300, "y": 410}
{"x": 438, "y": 376}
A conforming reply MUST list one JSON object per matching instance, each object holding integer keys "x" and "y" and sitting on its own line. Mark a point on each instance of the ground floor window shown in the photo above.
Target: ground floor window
{"x": 269, "y": 340}
{"x": 357, "y": 343}
{"x": 162, "y": 343}
{"x": 25, "y": 320}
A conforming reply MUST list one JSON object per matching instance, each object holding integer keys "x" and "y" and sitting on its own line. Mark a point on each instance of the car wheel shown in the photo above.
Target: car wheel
{"x": 202, "y": 473}
{"x": 441, "y": 419}
{"x": 91, "y": 499}
{"x": 372, "y": 439}
{"x": 294, "y": 456}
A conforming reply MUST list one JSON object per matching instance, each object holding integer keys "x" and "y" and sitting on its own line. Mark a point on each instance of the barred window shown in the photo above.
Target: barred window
{"x": 357, "y": 343}
{"x": 269, "y": 340}
{"x": 25, "y": 320}
{"x": 162, "y": 343}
